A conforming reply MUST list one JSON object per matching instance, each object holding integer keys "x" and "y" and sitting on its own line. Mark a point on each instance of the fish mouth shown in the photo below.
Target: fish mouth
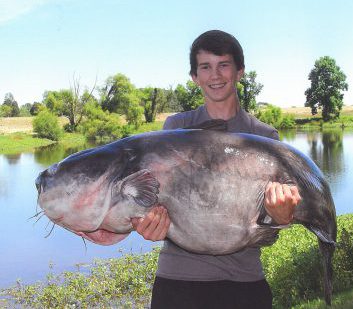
{"x": 102, "y": 237}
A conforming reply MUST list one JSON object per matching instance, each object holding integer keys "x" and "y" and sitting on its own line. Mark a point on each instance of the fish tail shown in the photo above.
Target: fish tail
{"x": 327, "y": 250}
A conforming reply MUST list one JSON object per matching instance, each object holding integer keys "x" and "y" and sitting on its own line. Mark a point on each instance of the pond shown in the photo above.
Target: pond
{"x": 26, "y": 253}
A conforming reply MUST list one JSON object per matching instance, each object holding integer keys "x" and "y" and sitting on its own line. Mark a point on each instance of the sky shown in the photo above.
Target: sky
{"x": 45, "y": 44}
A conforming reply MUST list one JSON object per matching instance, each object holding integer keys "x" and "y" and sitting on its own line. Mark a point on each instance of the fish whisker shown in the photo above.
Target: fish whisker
{"x": 39, "y": 218}
{"x": 40, "y": 214}
{"x": 50, "y": 230}
{"x": 84, "y": 242}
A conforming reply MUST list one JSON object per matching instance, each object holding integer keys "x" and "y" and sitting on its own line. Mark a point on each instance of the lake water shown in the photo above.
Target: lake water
{"x": 26, "y": 254}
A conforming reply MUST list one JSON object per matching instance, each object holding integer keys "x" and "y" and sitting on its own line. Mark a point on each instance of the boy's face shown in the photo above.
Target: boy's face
{"x": 217, "y": 76}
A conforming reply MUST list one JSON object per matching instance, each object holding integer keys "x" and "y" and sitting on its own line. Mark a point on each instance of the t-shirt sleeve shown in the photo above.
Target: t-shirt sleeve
{"x": 170, "y": 124}
{"x": 274, "y": 135}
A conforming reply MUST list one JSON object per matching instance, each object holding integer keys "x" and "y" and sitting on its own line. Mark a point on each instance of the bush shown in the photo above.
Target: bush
{"x": 293, "y": 264}
{"x": 287, "y": 122}
{"x": 271, "y": 115}
{"x": 46, "y": 125}
{"x": 5, "y": 111}
{"x": 99, "y": 124}
{"x": 113, "y": 283}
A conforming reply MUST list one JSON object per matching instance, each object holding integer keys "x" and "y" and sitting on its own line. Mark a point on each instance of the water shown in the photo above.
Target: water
{"x": 26, "y": 254}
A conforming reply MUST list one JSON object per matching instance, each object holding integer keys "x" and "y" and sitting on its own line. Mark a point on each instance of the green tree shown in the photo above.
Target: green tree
{"x": 189, "y": 97}
{"x": 46, "y": 125}
{"x": 119, "y": 95}
{"x": 271, "y": 115}
{"x": 153, "y": 100}
{"x": 5, "y": 111}
{"x": 99, "y": 124}
{"x": 248, "y": 89}
{"x": 69, "y": 103}
{"x": 25, "y": 110}
{"x": 10, "y": 102}
{"x": 36, "y": 108}
{"x": 171, "y": 104}
{"x": 327, "y": 83}
{"x": 53, "y": 100}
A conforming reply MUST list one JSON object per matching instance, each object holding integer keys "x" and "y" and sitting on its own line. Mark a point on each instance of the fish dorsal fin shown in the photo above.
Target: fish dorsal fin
{"x": 213, "y": 124}
{"x": 142, "y": 186}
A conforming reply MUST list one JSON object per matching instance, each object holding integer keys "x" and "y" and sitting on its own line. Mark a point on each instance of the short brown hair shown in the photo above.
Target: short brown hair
{"x": 219, "y": 43}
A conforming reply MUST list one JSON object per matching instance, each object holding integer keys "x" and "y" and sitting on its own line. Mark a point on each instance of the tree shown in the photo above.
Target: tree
{"x": 10, "y": 102}
{"x": 271, "y": 115}
{"x": 99, "y": 124}
{"x": 69, "y": 103}
{"x": 36, "y": 108}
{"x": 153, "y": 100}
{"x": 189, "y": 97}
{"x": 327, "y": 84}
{"x": 25, "y": 110}
{"x": 53, "y": 100}
{"x": 121, "y": 96}
{"x": 5, "y": 111}
{"x": 248, "y": 89}
{"x": 117, "y": 93}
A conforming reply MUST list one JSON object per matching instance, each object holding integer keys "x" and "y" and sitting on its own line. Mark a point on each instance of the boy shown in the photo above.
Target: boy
{"x": 188, "y": 280}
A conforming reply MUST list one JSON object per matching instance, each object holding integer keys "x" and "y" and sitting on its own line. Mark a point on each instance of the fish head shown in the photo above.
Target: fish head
{"x": 76, "y": 194}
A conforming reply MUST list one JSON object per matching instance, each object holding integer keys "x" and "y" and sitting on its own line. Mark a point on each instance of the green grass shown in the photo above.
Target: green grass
{"x": 24, "y": 142}
{"x": 343, "y": 300}
{"x": 147, "y": 127}
{"x": 20, "y": 142}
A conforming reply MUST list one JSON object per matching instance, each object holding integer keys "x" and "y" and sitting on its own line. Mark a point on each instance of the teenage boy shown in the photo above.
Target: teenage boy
{"x": 188, "y": 280}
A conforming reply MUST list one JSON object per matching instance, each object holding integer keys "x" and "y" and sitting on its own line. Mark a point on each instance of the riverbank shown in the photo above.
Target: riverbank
{"x": 18, "y": 142}
{"x": 16, "y": 133}
{"x": 126, "y": 282}
{"x": 24, "y": 124}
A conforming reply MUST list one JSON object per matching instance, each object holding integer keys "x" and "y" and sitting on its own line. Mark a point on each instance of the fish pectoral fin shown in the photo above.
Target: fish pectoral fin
{"x": 142, "y": 186}
{"x": 263, "y": 218}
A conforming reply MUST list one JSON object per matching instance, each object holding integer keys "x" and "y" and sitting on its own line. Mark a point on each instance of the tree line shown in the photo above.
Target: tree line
{"x": 119, "y": 96}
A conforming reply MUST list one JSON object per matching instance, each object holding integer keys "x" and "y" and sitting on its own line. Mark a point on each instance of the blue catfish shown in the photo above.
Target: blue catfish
{"x": 211, "y": 182}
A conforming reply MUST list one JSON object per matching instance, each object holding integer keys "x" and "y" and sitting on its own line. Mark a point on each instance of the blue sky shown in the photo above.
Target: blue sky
{"x": 44, "y": 43}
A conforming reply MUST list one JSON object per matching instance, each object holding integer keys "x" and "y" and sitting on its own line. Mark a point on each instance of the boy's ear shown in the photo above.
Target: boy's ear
{"x": 240, "y": 74}
{"x": 194, "y": 79}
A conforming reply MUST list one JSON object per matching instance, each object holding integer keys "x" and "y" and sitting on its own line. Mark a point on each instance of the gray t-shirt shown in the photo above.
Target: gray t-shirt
{"x": 245, "y": 265}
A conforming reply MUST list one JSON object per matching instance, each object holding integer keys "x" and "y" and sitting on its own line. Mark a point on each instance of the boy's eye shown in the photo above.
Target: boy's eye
{"x": 203, "y": 67}
{"x": 223, "y": 65}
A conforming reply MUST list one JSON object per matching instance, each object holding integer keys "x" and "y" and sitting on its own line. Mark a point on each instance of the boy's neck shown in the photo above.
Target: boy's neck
{"x": 223, "y": 110}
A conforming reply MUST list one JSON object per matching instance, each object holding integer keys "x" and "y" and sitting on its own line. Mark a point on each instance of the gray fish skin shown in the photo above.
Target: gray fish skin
{"x": 212, "y": 184}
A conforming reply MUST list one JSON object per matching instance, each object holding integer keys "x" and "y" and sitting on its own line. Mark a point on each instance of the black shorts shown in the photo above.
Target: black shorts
{"x": 178, "y": 294}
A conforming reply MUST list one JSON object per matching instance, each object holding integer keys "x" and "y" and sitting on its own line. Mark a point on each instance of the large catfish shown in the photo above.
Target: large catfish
{"x": 211, "y": 182}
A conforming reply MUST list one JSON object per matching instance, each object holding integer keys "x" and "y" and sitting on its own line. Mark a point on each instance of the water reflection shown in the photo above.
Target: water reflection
{"x": 326, "y": 149}
{"x": 56, "y": 152}
{"x": 289, "y": 135}
{"x": 13, "y": 158}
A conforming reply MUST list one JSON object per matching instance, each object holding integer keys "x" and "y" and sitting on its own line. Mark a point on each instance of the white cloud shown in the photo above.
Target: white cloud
{"x": 11, "y": 9}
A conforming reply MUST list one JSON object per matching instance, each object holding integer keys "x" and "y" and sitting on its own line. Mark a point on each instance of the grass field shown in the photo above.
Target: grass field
{"x": 10, "y": 125}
